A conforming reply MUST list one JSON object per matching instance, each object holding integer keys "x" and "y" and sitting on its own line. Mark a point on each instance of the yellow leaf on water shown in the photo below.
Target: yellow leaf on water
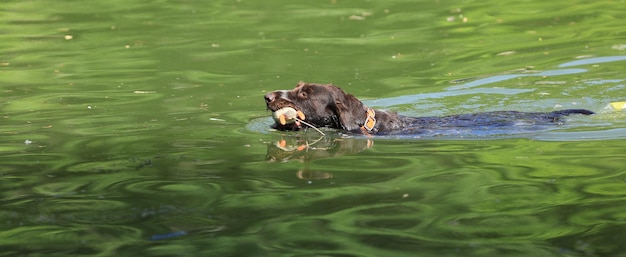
{"x": 618, "y": 105}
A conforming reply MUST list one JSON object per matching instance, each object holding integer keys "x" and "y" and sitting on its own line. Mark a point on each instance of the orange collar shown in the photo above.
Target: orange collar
{"x": 370, "y": 121}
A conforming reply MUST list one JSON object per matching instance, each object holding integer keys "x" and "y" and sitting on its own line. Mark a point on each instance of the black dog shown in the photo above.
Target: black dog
{"x": 329, "y": 106}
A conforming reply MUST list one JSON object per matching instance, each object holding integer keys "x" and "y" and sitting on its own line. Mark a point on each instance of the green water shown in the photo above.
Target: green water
{"x": 134, "y": 128}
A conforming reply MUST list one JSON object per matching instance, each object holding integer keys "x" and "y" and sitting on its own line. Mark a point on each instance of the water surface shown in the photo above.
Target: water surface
{"x": 136, "y": 128}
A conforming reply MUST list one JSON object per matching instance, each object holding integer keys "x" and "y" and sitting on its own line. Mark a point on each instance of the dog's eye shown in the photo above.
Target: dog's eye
{"x": 302, "y": 94}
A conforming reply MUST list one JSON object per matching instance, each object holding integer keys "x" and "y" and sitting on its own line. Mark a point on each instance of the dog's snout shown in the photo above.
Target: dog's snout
{"x": 269, "y": 97}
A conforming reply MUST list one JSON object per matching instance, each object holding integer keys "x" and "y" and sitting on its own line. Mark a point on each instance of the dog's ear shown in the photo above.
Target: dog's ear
{"x": 350, "y": 111}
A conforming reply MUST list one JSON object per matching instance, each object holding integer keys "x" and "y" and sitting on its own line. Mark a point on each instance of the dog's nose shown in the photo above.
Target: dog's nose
{"x": 269, "y": 97}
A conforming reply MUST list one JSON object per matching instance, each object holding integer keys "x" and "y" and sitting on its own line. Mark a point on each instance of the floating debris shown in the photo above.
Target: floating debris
{"x": 505, "y": 53}
{"x": 618, "y": 105}
{"x": 621, "y": 47}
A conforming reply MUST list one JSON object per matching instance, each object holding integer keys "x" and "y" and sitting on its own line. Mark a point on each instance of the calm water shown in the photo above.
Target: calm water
{"x": 133, "y": 128}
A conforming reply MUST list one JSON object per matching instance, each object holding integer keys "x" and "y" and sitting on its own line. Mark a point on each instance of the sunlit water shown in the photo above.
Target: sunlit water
{"x": 139, "y": 129}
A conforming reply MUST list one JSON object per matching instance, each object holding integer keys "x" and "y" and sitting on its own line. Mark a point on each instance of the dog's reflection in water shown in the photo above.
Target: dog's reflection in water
{"x": 303, "y": 149}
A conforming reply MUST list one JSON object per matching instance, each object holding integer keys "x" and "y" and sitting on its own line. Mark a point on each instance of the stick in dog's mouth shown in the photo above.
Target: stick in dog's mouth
{"x": 289, "y": 115}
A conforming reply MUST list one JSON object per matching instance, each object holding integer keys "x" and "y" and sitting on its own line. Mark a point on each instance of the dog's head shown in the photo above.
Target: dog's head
{"x": 322, "y": 105}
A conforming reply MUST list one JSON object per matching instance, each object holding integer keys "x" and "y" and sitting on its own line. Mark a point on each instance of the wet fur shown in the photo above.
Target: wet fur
{"x": 326, "y": 105}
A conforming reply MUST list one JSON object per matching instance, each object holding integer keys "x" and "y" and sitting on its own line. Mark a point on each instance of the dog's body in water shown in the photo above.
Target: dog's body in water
{"x": 326, "y": 105}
